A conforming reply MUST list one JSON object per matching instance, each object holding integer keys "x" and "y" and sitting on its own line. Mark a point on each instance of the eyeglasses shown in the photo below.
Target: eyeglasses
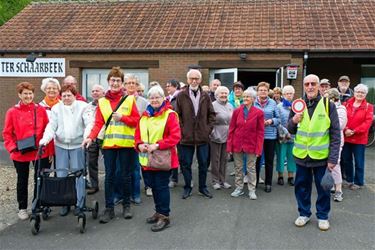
{"x": 113, "y": 80}
{"x": 155, "y": 98}
{"x": 313, "y": 84}
{"x": 194, "y": 78}
{"x": 130, "y": 83}
{"x": 360, "y": 92}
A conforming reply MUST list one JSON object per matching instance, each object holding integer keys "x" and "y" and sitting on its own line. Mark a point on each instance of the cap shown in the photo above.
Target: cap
{"x": 344, "y": 78}
{"x": 333, "y": 94}
{"x": 325, "y": 81}
{"x": 238, "y": 84}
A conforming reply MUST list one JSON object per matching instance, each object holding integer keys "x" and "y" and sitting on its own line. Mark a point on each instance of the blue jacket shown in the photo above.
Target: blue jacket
{"x": 270, "y": 112}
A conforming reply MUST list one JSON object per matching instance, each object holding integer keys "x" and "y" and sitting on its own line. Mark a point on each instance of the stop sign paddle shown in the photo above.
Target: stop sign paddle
{"x": 298, "y": 106}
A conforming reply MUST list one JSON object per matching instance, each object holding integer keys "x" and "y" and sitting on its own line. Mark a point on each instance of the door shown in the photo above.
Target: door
{"x": 226, "y": 76}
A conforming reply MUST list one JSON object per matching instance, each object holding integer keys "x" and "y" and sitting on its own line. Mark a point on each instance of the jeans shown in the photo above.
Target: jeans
{"x": 269, "y": 153}
{"x": 303, "y": 188}
{"x": 122, "y": 160}
{"x": 185, "y": 154}
{"x": 358, "y": 151}
{"x": 158, "y": 181}
{"x": 22, "y": 169}
{"x": 136, "y": 179}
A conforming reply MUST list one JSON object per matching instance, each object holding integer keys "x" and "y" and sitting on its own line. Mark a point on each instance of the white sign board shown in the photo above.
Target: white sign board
{"x": 42, "y": 67}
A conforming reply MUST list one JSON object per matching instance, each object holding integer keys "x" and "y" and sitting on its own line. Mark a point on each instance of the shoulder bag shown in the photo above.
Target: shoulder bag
{"x": 29, "y": 143}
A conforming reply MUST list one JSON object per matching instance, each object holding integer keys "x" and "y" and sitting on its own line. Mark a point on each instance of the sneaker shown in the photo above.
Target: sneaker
{"x": 172, "y": 184}
{"x": 291, "y": 181}
{"x": 280, "y": 181}
{"x": 323, "y": 225}
{"x": 108, "y": 214}
{"x": 261, "y": 181}
{"x": 22, "y": 214}
{"x": 301, "y": 221}
{"x": 333, "y": 190}
{"x": 338, "y": 196}
{"x": 354, "y": 187}
{"x": 252, "y": 195}
{"x": 192, "y": 184}
{"x": 216, "y": 186}
{"x": 246, "y": 179}
{"x": 126, "y": 213}
{"x": 226, "y": 185}
{"x": 232, "y": 173}
{"x": 148, "y": 191}
{"x": 237, "y": 192}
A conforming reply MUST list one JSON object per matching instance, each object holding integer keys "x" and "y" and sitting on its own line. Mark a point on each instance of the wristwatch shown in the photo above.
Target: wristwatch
{"x": 157, "y": 145}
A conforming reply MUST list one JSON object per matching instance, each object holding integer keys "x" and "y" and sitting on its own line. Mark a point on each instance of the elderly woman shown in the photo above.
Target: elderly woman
{"x": 158, "y": 129}
{"x": 360, "y": 115}
{"x": 284, "y": 148}
{"x": 51, "y": 87}
{"x": 245, "y": 138}
{"x": 277, "y": 95}
{"x": 218, "y": 137}
{"x": 235, "y": 96}
{"x": 66, "y": 127}
{"x": 334, "y": 96}
{"x": 23, "y": 120}
{"x": 271, "y": 121}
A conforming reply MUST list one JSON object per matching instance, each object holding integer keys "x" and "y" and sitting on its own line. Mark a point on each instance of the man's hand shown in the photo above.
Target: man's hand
{"x": 86, "y": 143}
{"x": 116, "y": 116}
{"x": 143, "y": 147}
{"x": 331, "y": 166}
{"x": 297, "y": 118}
{"x": 152, "y": 148}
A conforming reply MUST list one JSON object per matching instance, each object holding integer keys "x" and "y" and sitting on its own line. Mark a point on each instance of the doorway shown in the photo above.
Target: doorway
{"x": 251, "y": 77}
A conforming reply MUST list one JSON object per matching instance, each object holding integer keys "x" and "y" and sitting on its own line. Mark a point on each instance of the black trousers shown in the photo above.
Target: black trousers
{"x": 93, "y": 156}
{"x": 269, "y": 153}
{"x": 22, "y": 169}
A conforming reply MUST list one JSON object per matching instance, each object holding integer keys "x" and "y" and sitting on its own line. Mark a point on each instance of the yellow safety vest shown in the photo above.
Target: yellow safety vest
{"x": 152, "y": 130}
{"x": 117, "y": 133}
{"x": 312, "y": 136}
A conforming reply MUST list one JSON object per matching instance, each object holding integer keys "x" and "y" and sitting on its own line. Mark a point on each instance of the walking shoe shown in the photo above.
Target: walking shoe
{"x": 237, "y": 192}
{"x": 186, "y": 193}
{"x": 291, "y": 181}
{"x": 268, "y": 189}
{"x": 226, "y": 185}
{"x": 126, "y": 213}
{"x": 252, "y": 195}
{"x": 65, "y": 211}
{"x": 333, "y": 190}
{"x": 245, "y": 179}
{"x": 205, "y": 193}
{"x": 280, "y": 181}
{"x": 338, "y": 196}
{"x": 261, "y": 181}
{"x": 108, "y": 214}
{"x": 301, "y": 221}
{"x": 216, "y": 186}
{"x": 76, "y": 211}
{"x": 323, "y": 225}
{"x": 22, "y": 214}
{"x": 161, "y": 224}
{"x": 232, "y": 173}
{"x": 172, "y": 184}
{"x": 148, "y": 191}
{"x": 153, "y": 219}
{"x": 354, "y": 187}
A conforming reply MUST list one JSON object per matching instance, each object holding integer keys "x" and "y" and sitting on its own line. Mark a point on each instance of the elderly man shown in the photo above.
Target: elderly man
{"x": 316, "y": 149}
{"x": 213, "y": 86}
{"x": 324, "y": 86}
{"x": 97, "y": 92}
{"x": 197, "y": 117}
{"x": 71, "y": 80}
{"x": 344, "y": 88}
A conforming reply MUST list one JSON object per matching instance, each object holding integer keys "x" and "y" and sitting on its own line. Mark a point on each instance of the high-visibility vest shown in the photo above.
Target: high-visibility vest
{"x": 312, "y": 137}
{"x": 117, "y": 133}
{"x": 152, "y": 130}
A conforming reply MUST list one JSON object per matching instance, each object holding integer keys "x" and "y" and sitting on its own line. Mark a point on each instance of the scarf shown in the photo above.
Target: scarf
{"x": 286, "y": 103}
{"x": 262, "y": 103}
{"x": 51, "y": 102}
{"x": 151, "y": 111}
{"x": 114, "y": 96}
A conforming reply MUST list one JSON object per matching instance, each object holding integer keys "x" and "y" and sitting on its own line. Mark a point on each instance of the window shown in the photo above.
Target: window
{"x": 90, "y": 77}
{"x": 368, "y": 78}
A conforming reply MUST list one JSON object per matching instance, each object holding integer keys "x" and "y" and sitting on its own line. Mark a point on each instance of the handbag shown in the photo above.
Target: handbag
{"x": 29, "y": 143}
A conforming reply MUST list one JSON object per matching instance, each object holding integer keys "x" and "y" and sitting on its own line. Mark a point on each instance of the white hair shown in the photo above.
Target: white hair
{"x": 251, "y": 92}
{"x": 131, "y": 76}
{"x": 313, "y": 76}
{"x": 98, "y": 86}
{"x": 215, "y": 80}
{"x": 156, "y": 90}
{"x": 288, "y": 88}
{"x": 221, "y": 89}
{"x": 194, "y": 71}
{"x": 361, "y": 87}
{"x": 46, "y": 81}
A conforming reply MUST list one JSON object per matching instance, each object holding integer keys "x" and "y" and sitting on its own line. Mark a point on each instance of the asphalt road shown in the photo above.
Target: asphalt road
{"x": 219, "y": 223}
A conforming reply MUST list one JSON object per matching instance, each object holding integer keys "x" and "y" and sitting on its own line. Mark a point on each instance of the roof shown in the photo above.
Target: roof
{"x": 195, "y": 25}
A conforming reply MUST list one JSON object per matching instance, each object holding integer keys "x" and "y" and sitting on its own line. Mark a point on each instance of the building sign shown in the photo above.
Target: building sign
{"x": 42, "y": 67}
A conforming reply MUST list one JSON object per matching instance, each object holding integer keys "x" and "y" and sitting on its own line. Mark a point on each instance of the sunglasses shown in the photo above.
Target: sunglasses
{"x": 310, "y": 83}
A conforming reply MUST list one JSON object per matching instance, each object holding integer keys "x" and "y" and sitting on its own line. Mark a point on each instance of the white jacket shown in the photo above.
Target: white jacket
{"x": 66, "y": 125}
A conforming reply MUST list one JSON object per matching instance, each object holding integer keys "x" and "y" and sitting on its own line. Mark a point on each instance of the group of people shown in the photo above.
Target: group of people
{"x": 248, "y": 125}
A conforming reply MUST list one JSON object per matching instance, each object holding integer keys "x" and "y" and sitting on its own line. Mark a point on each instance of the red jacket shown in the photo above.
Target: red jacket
{"x": 19, "y": 124}
{"x": 246, "y": 135}
{"x": 359, "y": 120}
{"x": 171, "y": 135}
{"x": 114, "y": 99}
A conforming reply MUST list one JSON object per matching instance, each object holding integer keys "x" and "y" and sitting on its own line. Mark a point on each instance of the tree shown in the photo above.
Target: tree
{"x": 10, "y": 8}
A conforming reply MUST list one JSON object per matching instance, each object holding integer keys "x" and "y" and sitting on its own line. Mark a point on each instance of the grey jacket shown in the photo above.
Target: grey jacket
{"x": 223, "y": 112}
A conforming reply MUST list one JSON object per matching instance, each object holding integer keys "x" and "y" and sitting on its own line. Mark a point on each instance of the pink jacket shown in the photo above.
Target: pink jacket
{"x": 246, "y": 135}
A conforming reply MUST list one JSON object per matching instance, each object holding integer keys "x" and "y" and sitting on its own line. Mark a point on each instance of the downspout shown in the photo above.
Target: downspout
{"x": 305, "y": 57}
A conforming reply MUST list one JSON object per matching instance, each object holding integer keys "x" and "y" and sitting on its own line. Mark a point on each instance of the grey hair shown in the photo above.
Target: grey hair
{"x": 192, "y": 71}
{"x": 288, "y": 88}
{"x": 362, "y": 87}
{"x": 131, "y": 76}
{"x": 251, "y": 92}
{"x": 70, "y": 77}
{"x": 221, "y": 89}
{"x": 99, "y": 86}
{"x": 314, "y": 76}
{"x": 156, "y": 90}
{"x": 45, "y": 82}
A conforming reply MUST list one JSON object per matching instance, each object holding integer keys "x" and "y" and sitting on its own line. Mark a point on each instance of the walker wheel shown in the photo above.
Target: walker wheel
{"x": 95, "y": 209}
{"x": 35, "y": 226}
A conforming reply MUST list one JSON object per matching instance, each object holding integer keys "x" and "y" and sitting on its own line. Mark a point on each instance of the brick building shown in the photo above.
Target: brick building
{"x": 247, "y": 40}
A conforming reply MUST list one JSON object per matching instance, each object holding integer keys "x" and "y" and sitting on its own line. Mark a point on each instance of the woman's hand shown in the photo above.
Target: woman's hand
{"x": 143, "y": 147}
{"x": 152, "y": 147}
{"x": 86, "y": 143}
{"x": 116, "y": 116}
{"x": 268, "y": 122}
{"x": 349, "y": 132}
